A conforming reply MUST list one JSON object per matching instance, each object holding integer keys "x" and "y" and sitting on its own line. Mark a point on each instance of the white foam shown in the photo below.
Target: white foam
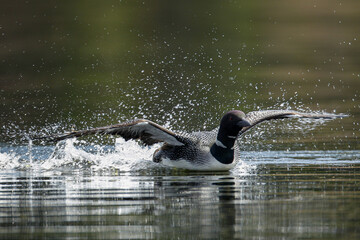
{"x": 243, "y": 168}
{"x": 9, "y": 161}
{"x": 126, "y": 156}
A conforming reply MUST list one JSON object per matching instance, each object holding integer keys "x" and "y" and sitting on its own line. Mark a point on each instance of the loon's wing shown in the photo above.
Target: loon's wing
{"x": 257, "y": 117}
{"x": 147, "y": 131}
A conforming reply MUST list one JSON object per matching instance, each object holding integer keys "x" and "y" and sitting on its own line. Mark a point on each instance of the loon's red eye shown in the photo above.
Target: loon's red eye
{"x": 230, "y": 118}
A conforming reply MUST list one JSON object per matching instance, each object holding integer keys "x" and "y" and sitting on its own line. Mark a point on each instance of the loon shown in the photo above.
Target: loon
{"x": 204, "y": 151}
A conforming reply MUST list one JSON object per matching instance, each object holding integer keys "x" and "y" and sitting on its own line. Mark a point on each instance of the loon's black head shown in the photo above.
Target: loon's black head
{"x": 232, "y": 122}
{"x": 230, "y": 126}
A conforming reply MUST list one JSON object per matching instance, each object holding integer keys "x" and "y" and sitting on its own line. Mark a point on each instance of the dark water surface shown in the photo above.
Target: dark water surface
{"x": 265, "y": 201}
{"x": 79, "y": 64}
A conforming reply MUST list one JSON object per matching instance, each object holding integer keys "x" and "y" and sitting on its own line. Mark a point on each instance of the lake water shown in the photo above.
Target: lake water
{"x": 107, "y": 192}
{"x": 183, "y": 64}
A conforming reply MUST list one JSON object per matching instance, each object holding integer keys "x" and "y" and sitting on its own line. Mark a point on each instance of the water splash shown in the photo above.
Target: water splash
{"x": 9, "y": 161}
{"x": 30, "y": 145}
{"x": 124, "y": 156}
{"x": 72, "y": 154}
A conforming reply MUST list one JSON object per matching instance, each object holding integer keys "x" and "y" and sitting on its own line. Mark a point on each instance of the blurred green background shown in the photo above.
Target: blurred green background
{"x": 80, "y": 64}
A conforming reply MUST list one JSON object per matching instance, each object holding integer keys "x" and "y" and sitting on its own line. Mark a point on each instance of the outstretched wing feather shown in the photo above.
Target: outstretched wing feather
{"x": 147, "y": 131}
{"x": 257, "y": 117}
